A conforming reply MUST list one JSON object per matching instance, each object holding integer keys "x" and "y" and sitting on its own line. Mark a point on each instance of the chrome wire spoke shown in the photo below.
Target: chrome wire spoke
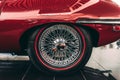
{"x": 59, "y": 45}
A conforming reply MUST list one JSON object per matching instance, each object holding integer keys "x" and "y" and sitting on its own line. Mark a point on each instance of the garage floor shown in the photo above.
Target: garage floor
{"x": 106, "y": 57}
{"x": 24, "y": 70}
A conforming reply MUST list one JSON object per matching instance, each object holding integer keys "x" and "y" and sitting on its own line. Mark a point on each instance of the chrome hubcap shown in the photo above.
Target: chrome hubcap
{"x": 60, "y": 46}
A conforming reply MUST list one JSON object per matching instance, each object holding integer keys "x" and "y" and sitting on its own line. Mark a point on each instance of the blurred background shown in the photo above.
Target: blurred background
{"x": 107, "y": 58}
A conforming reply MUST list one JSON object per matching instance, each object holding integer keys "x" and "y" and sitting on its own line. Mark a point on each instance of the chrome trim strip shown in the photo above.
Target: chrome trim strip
{"x": 99, "y": 21}
{"x": 10, "y": 57}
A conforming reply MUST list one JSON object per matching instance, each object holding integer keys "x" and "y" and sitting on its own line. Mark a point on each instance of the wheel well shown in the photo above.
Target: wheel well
{"x": 93, "y": 33}
{"x": 24, "y": 39}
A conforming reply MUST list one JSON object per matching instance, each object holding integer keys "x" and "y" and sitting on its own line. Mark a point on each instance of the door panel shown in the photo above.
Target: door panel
{"x": 56, "y": 6}
{"x": 21, "y": 5}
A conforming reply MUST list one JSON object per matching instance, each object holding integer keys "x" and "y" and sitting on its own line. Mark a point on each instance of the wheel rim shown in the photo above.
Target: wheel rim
{"x": 60, "y": 46}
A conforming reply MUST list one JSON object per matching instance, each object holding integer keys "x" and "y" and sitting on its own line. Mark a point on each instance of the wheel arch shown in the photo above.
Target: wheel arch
{"x": 93, "y": 33}
{"x": 25, "y": 36}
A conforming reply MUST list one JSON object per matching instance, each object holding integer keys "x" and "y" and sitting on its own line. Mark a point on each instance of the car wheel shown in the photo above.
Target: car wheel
{"x": 59, "y": 48}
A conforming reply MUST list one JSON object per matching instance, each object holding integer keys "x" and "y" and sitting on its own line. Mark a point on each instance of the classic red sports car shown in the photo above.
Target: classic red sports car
{"x": 58, "y": 35}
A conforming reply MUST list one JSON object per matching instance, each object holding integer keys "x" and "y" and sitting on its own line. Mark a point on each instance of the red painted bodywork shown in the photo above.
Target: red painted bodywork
{"x": 18, "y": 16}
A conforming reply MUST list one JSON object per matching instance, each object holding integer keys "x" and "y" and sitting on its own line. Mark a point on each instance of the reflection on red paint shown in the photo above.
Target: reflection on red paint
{"x": 21, "y": 15}
{"x": 116, "y": 28}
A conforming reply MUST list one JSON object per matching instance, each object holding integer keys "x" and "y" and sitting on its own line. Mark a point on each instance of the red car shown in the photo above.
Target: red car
{"x": 58, "y": 35}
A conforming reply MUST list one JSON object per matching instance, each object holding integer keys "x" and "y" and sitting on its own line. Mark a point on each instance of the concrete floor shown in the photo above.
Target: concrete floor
{"x": 106, "y": 58}
{"x": 103, "y": 58}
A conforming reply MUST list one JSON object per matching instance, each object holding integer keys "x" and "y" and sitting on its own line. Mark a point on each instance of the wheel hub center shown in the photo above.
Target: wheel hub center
{"x": 59, "y": 44}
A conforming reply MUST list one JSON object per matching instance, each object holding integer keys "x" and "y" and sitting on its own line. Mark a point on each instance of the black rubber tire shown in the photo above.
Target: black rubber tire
{"x": 39, "y": 65}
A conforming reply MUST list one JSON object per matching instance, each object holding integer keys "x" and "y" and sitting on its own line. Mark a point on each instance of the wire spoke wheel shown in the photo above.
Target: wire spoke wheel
{"x": 60, "y": 45}
{"x": 59, "y": 48}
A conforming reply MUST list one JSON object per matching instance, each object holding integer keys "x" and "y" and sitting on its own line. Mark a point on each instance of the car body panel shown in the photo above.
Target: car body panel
{"x": 18, "y": 16}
